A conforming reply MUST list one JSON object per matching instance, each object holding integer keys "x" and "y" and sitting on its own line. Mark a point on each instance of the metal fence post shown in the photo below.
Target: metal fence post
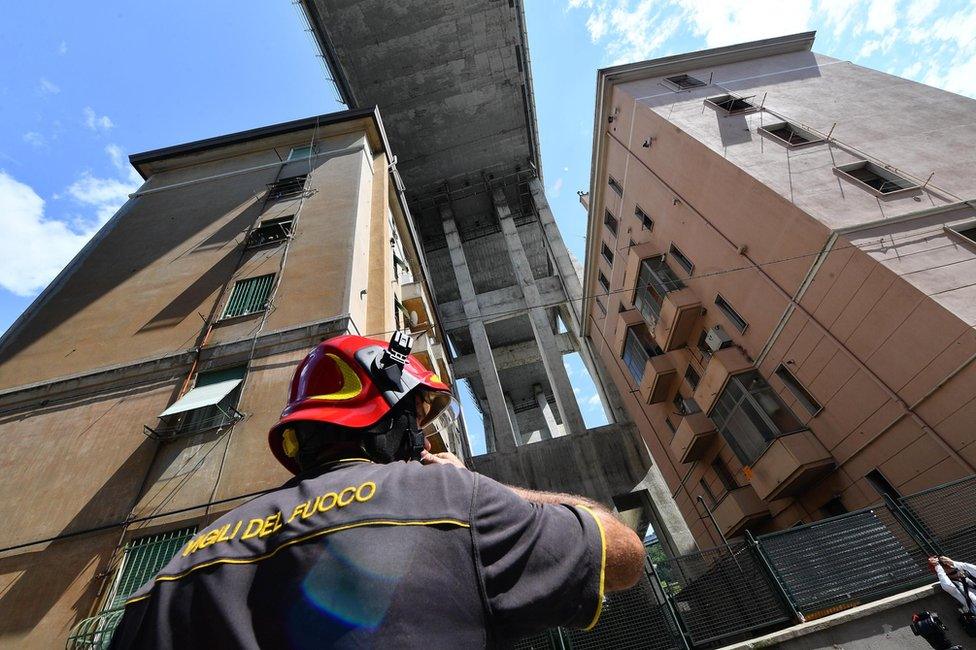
{"x": 771, "y": 571}
{"x": 907, "y": 517}
{"x": 658, "y": 589}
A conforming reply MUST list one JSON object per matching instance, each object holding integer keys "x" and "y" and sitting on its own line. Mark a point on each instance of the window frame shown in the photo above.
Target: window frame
{"x": 606, "y": 253}
{"x": 292, "y": 157}
{"x": 683, "y": 260}
{"x": 615, "y": 185}
{"x": 285, "y": 224}
{"x": 957, "y": 231}
{"x": 799, "y": 391}
{"x": 731, "y": 314}
{"x": 225, "y": 315}
{"x": 644, "y": 218}
{"x": 603, "y": 281}
{"x": 287, "y": 188}
{"x": 633, "y": 341}
{"x": 810, "y": 137}
{"x": 747, "y": 404}
{"x": 905, "y": 186}
{"x": 610, "y": 222}
{"x": 678, "y": 86}
{"x": 728, "y": 98}
{"x": 651, "y": 284}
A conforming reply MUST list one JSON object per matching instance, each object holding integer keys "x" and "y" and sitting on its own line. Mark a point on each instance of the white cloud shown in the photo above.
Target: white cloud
{"x": 36, "y": 246}
{"x": 882, "y": 16}
{"x": 919, "y": 10}
{"x": 838, "y": 13}
{"x": 724, "y": 22}
{"x": 95, "y": 122}
{"x": 34, "y": 139}
{"x": 596, "y": 25}
{"x": 63, "y": 48}
{"x": 45, "y": 87}
{"x": 594, "y": 400}
{"x": 556, "y": 187}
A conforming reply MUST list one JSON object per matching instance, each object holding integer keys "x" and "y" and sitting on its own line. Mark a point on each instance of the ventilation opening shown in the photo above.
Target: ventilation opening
{"x": 790, "y": 134}
{"x": 684, "y": 82}
{"x": 874, "y": 178}
{"x": 731, "y": 104}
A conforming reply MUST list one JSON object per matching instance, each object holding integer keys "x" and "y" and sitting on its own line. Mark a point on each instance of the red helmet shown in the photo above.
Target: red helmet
{"x": 353, "y": 382}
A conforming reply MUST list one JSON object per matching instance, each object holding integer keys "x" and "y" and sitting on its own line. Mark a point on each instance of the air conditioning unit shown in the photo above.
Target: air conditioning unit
{"x": 689, "y": 406}
{"x": 717, "y": 338}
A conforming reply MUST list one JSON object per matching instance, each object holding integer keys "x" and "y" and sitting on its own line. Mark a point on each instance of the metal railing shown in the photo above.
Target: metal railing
{"x": 717, "y": 596}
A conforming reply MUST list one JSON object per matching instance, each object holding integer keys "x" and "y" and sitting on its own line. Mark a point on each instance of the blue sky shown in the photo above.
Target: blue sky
{"x": 93, "y": 82}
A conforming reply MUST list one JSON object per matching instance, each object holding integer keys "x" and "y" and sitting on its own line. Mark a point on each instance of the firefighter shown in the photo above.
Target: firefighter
{"x": 365, "y": 547}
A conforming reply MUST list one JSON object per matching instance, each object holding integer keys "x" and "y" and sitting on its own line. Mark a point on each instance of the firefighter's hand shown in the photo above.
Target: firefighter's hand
{"x": 443, "y": 458}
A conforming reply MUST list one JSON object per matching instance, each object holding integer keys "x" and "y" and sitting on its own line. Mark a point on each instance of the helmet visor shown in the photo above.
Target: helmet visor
{"x": 437, "y": 415}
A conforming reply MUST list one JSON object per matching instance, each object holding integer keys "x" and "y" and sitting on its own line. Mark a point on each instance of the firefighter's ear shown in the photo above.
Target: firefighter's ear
{"x": 289, "y": 443}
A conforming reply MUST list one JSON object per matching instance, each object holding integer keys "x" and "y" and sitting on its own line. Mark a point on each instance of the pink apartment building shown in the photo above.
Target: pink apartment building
{"x": 781, "y": 279}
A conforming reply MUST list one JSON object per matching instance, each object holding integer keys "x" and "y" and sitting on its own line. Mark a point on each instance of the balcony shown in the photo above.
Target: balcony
{"x": 790, "y": 464}
{"x": 660, "y": 376}
{"x": 679, "y": 312}
{"x": 414, "y": 300}
{"x": 694, "y": 436}
{"x": 739, "y": 509}
{"x": 722, "y": 365}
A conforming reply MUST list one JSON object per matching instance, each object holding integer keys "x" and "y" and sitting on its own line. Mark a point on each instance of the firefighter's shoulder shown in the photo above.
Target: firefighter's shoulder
{"x": 354, "y": 494}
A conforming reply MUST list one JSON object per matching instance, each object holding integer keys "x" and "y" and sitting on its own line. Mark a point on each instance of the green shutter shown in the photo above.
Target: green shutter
{"x": 217, "y": 376}
{"x": 249, "y": 296}
{"x": 141, "y": 561}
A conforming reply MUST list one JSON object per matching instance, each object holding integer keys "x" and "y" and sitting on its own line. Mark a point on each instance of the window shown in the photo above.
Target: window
{"x": 834, "y": 508}
{"x": 646, "y": 222}
{"x": 966, "y": 230}
{"x": 141, "y": 560}
{"x": 654, "y": 281}
{"x": 298, "y": 153}
{"x": 603, "y": 308}
{"x": 270, "y": 232}
{"x": 211, "y": 404}
{"x": 706, "y": 492}
{"x": 607, "y": 254}
{"x": 790, "y": 134}
{"x": 610, "y": 222}
{"x": 684, "y": 82}
{"x": 249, "y": 296}
{"x": 723, "y": 305}
{"x": 637, "y": 350}
{"x": 616, "y": 186}
{"x": 703, "y": 348}
{"x": 731, "y": 104}
{"x": 750, "y": 415}
{"x": 604, "y": 282}
{"x": 875, "y": 179}
{"x": 681, "y": 259}
{"x": 802, "y": 395}
{"x": 724, "y": 475}
{"x": 692, "y": 377}
{"x": 287, "y": 188}
{"x": 881, "y": 484}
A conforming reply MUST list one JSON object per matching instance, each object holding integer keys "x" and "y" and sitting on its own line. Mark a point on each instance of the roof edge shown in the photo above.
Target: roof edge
{"x": 710, "y": 57}
{"x": 138, "y": 160}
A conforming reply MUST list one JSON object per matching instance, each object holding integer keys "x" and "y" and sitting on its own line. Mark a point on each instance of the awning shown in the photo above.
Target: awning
{"x": 202, "y": 396}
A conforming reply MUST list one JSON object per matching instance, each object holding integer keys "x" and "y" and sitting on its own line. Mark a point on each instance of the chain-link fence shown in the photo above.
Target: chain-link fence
{"x": 947, "y": 516}
{"x": 843, "y": 561}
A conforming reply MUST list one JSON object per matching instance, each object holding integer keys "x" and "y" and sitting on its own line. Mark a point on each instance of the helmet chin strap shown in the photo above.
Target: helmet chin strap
{"x": 400, "y": 439}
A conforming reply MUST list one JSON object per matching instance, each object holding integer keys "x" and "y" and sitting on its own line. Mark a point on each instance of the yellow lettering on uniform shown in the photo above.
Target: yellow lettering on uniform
{"x": 310, "y": 508}
{"x": 325, "y": 508}
{"x": 211, "y": 537}
{"x": 236, "y": 528}
{"x": 299, "y": 508}
{"x": 193, "y": 545}
{"x": 253, "y": 528}
{"x": 361, "y": 495}
{"x": 223, "y": 533}
{"x": 345, "y": 502}
{"x": 271, "y": 525}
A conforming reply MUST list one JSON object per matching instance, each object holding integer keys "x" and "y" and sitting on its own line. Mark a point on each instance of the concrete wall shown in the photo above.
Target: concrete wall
{"x": 846, "y": 314}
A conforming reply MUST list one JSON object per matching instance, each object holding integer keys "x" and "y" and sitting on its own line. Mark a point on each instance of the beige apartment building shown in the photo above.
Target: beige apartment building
{"x": 137, "y": 391}
{"x": 779, "y": 279}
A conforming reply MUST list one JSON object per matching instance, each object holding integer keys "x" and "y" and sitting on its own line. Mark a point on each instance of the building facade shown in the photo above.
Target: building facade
{"x": 778, "y": 280}
{"x": 137, "y": 391}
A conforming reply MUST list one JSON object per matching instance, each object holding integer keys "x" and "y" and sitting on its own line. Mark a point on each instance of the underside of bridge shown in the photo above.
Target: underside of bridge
{"x": 453, "y": 83}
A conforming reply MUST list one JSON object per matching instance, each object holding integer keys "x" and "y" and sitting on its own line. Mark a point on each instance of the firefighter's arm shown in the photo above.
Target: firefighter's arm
{"x": 624, "y": 549}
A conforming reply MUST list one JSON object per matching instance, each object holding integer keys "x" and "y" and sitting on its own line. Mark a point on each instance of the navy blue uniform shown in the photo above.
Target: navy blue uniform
{"x": 364, "y": 555}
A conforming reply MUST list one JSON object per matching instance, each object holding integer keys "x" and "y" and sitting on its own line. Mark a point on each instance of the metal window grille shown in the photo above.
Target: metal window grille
{"x": 141, "y": 560}
{"x": 731, "y": 104}
{"x": 874, "y": 177}
{"x": 249, "y": 296}
{"x": 722, "y": 593}
{"x": 947, "y": 515}
{"x": 287, "y": 188}
{"x": 684, "y": 81}
{"x": 270, "y": 232}
{"x": 654, "y": 281}
{"x": 843, "y": 561}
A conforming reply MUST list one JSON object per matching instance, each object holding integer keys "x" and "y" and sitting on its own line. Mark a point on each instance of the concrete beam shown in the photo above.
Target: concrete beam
{"x": 552, "y": 429}
{"x": 557, "y": 248}
{"x": 503, "y": 431}
{"x": 503, "y": 303}
{"x": 511, "y": 356}
{"x": 552, "y": 359}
